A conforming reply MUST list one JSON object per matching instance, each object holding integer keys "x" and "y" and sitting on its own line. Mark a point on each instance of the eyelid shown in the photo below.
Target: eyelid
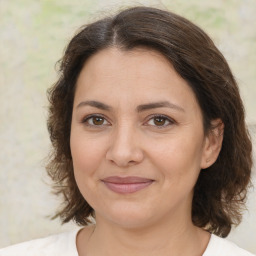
{"x": 86, "y": 118}
{"x": 169, "y": 119}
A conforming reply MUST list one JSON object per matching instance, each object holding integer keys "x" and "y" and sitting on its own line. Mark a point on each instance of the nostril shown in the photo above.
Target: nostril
{"x": 131, "y": 162}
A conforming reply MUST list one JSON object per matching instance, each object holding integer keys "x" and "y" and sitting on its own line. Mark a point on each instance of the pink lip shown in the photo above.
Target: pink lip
{"x": 125, "y": 185}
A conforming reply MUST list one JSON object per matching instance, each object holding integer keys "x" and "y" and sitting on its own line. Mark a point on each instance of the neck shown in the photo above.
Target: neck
{"x": 159, "y": 239}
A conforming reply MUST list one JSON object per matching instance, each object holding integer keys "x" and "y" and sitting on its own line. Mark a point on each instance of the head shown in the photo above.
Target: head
{"x": 220, "y": 188}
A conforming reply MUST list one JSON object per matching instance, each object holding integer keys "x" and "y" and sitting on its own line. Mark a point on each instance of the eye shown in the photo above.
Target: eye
{"x": 95, "y": 120}
{"x": 160, "y": 121}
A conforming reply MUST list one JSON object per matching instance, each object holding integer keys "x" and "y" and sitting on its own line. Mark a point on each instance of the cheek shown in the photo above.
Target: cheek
{"x": 87, "y": 153}
{"x": 178, "y": 157}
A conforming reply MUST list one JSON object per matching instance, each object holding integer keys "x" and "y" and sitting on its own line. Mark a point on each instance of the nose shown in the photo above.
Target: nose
{"x": 125, "y": 149}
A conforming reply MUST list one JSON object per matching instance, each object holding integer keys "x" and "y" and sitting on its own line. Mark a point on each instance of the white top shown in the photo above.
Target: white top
{"x": 64, "y": 244}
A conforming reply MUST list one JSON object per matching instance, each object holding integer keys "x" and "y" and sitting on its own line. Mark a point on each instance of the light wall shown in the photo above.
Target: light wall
{"x": 32, "y": 37}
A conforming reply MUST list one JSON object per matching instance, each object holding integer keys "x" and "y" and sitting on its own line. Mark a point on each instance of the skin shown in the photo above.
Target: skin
{"x": 171, "y": 150}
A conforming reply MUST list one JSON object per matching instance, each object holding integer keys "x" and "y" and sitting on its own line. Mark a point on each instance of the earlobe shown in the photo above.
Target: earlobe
{"x": 213, "y": 143}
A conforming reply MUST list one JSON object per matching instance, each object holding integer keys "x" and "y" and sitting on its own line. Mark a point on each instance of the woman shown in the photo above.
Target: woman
{"x": 149, "y": 140}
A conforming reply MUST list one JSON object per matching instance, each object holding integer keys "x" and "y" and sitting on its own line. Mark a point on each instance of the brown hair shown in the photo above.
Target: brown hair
{"x": 220, "y": 192}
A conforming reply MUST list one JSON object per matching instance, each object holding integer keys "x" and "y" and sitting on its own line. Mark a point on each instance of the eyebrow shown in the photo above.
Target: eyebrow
{"x": 162, "y": 104}
{"x": 95, "y": 104}
{"x": 139, "y": 108}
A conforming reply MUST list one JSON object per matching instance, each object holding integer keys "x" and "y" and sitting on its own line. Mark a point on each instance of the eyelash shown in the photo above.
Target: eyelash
{"x": 86, "y": 119}
{"x": 152, "y": 117}
{"x": 165, "y": 118}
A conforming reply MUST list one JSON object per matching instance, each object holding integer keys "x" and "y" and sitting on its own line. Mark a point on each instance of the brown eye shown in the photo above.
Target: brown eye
{"x": 159, "y": 121}
{"x": 97, "y": 120}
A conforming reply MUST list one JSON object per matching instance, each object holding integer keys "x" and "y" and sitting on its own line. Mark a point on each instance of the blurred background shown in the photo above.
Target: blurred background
{"x": 33, "y": 36}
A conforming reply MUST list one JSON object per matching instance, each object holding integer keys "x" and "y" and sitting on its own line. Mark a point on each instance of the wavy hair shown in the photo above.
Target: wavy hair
{"x": 220, "y": 192}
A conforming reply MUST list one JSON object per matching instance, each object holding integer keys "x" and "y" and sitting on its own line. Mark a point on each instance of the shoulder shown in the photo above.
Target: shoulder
{"x": 60, "y": 244}
{"x": 221, "y": 247}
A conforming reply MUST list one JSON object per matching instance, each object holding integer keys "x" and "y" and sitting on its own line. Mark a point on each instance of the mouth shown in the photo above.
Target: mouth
{"x": 126, "y": 185}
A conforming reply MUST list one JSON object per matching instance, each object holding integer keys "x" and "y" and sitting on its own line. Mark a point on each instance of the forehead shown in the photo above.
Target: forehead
{"x": 127, "y": 64}
{"x": 135, "y": 75}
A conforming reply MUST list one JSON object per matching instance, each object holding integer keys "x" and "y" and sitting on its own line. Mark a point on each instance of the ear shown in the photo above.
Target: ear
{"x": 212, "y": 143}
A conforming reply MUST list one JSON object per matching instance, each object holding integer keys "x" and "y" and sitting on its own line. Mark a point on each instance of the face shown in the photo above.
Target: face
{"x": 137, "y": 138}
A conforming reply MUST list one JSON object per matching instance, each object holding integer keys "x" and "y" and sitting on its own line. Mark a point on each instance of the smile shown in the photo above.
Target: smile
{"x": 126, "y": 185}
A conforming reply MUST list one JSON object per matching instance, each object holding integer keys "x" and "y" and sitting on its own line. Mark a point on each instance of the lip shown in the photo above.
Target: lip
{"x": 126, "y": 185}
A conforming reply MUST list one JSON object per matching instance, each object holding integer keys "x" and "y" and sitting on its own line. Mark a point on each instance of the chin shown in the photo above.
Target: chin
{"x": 128, "y": 216}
